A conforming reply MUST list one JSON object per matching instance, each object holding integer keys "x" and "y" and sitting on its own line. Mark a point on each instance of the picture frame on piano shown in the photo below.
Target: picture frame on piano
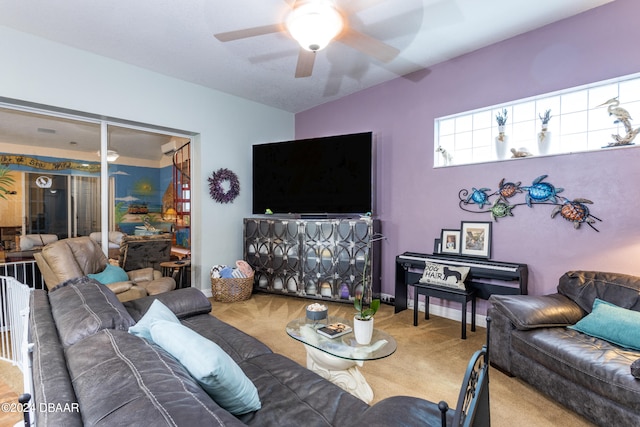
{"x": 437, "y": 247}
{"x": 475, "y": 239}
{"x": 450, "y": 241}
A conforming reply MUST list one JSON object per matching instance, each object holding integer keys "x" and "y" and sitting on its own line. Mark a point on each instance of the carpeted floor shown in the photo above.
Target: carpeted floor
{"x": 430, "y": 361}
{"x": 11, "y": 387}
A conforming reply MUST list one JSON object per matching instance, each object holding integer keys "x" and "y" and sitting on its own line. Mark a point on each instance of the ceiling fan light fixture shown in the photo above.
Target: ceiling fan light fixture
{"x": 314, "y": 24}
{"x": 112, "y": 155}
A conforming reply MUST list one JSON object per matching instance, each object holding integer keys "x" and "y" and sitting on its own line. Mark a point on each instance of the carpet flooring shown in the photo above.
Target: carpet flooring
{"x": 430, "y": 361}
{"x": 10, "y": 388}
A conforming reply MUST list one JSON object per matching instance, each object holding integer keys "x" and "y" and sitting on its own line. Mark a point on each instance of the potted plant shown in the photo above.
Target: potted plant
{"x": 502, "y": 140}
{"x": 544, "y": 136}
{"x": 362, "y": 311}
{"x": 363, "y": 319}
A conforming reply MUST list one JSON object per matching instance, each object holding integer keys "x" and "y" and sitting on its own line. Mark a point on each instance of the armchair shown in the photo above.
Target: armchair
{"x": 76, "y": 257}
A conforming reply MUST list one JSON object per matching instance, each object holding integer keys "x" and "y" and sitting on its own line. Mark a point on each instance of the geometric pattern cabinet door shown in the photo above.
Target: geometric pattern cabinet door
{"x": 272, "y": 250}
{"x": 313, "y": 258}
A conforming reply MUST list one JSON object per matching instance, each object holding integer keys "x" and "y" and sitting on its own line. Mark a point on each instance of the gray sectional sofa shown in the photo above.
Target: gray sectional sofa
{"x": 89, "y": 370}
{"x": 533, "y": 338}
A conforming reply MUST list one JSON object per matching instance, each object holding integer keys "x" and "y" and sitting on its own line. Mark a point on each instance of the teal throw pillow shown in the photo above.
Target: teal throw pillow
{"x": 111, "y": 274}
{"x": 209, "y": 365}
{"x": 157, "y": 311}
{"x": 611, "y": 323}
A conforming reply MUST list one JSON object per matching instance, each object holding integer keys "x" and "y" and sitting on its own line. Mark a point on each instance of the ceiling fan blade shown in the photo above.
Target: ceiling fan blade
{"x": 354, "y": 6}
{"x": 304, "y": 68}
{"x": 248, "y": 32}
{"x": 368, "y": 45}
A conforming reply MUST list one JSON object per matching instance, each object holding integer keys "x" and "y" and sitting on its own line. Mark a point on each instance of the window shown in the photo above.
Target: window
{"x": 579, "y": 122}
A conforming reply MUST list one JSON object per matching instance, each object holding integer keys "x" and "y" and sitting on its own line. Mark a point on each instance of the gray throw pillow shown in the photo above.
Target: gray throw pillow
{"x": 83, "y": 306}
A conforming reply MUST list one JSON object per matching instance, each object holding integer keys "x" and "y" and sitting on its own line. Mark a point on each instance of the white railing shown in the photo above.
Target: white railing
{"x": 26, "y": 272}
{"x": 14, "y": 301}
{"x": 14, "y": 333}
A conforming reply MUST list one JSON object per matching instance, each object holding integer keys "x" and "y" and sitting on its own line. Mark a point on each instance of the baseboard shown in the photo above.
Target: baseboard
{"x": 449, "y": 313}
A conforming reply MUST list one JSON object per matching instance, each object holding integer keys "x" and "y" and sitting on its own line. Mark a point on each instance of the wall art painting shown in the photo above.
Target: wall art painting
{"x": 450, "y": 242}
{"x": 475, "y": 239}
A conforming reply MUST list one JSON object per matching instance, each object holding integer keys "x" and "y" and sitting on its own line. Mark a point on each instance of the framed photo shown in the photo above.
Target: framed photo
{"x": 436, "y": 246}
{"x": 450, "y": 242}
{"x": 476, "y": 239}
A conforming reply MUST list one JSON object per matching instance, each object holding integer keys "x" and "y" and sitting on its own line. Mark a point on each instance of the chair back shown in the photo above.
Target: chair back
{"x": 69, "y": 258}
{"x": 473, "y": 409}
{"x": 137, "y": 252}
{"x": 473, "y": 402}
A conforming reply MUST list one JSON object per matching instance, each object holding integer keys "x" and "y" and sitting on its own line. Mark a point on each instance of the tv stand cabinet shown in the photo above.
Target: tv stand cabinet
{"x": 313, "y": 258}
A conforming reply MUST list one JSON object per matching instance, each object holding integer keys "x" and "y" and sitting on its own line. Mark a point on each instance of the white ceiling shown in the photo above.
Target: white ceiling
{"x": 175, "y": 38}
{"x": 52, "y": 132}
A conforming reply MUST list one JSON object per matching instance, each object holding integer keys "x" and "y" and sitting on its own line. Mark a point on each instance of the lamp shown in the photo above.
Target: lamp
{"x": 314, "y": 24}
{"x": 112, "y": 155}
{"x": 170, "y": 214}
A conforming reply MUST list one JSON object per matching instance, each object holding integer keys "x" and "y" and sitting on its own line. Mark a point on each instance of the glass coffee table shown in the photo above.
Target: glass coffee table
{"x": 337, "y": 359}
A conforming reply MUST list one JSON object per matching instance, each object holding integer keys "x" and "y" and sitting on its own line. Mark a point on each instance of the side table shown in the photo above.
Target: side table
{"x": 177, "y": 270}
{"x": 337, "y": 359}
{"x": 459, "y": 295}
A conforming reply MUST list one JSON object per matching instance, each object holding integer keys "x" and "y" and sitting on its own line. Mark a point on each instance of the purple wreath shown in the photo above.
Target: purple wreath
{"x": 215, "y": 186}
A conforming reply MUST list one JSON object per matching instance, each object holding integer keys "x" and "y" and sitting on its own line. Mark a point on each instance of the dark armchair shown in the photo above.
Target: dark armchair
{"x": 472, "y": 409}
{"x": 473, "y": 402}
{"x": 145, "y": 251}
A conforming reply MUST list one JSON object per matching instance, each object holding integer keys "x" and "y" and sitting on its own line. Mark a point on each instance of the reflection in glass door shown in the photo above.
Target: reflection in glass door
{"x": 47, "y": 206}
{"x": 49, "y": 202}
{"x": 86, "y": 205}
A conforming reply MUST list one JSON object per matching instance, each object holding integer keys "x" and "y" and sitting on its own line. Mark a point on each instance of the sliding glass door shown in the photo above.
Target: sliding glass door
{"x": 64, "y": 205}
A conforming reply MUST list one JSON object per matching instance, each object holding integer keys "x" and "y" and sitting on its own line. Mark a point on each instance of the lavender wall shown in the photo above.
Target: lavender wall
{"x": 416, "y": 201}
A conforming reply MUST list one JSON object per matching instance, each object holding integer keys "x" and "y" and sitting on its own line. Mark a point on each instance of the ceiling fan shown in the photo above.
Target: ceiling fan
{"x": 314, "y": 24}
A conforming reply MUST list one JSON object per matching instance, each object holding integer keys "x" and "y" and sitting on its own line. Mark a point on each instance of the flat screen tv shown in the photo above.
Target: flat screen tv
{"x": 319, "y": 176}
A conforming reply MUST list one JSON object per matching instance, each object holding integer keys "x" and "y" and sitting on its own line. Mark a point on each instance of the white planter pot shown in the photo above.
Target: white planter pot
{"x": 502, "y": 146}
{"x": 544, "y": 142}
{"x": 363, "y": 330}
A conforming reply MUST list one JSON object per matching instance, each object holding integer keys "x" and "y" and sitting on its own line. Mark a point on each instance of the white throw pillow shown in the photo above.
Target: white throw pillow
{"x": 444, "y": 275}
{"x": 30, "y": 241}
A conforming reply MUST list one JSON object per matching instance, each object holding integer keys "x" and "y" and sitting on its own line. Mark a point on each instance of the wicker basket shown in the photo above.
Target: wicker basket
{"x": 231, "y": 289}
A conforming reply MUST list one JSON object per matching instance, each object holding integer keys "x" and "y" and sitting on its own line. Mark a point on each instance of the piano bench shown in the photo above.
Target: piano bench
{"x": 460, "y": 295}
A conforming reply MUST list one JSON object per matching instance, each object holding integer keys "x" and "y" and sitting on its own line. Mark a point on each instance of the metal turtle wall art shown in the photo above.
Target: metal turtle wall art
{"x": 500, "y": 209}
{"x": 576, "y": 211}
{"x": 479, "y": 197}
{"x": 540, "y": 192}
{"x": 508, "y": 189}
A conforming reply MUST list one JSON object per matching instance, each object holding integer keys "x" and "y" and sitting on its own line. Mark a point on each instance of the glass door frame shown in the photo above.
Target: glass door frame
{"x": 105, "y": 217}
